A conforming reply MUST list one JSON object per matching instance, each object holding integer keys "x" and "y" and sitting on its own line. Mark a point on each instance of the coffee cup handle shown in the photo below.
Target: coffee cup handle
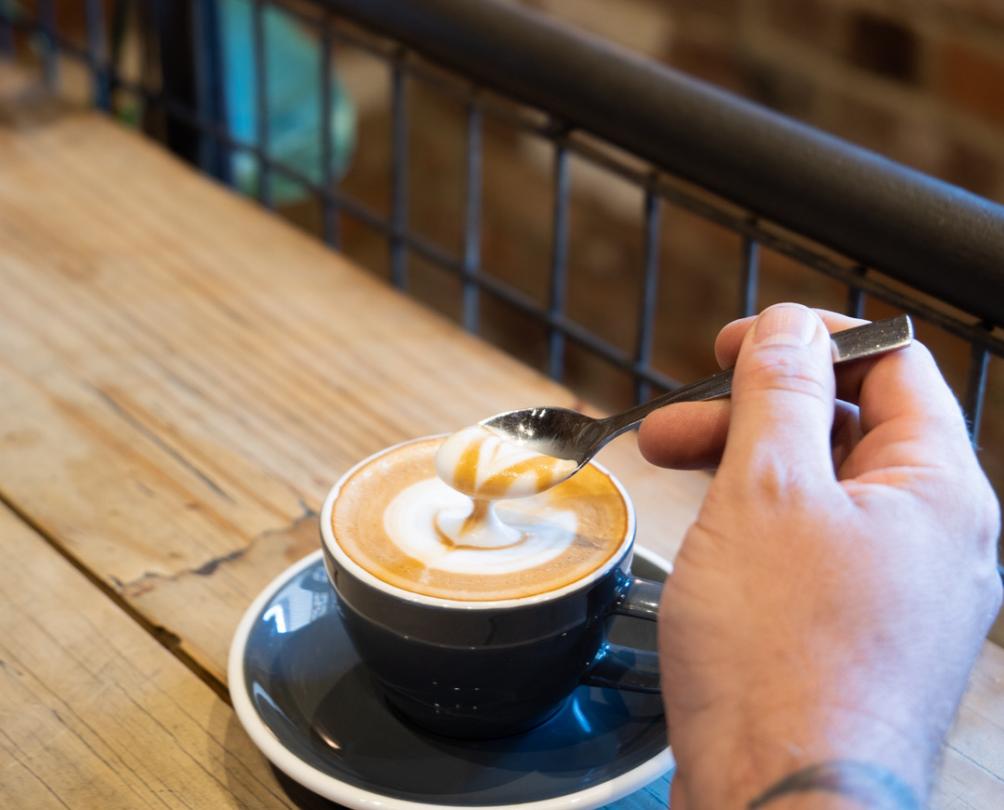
{"x": 619, "y": 667}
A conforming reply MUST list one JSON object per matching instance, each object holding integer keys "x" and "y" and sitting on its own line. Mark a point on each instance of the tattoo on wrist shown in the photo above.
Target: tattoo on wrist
{"x": 869, "y": 784}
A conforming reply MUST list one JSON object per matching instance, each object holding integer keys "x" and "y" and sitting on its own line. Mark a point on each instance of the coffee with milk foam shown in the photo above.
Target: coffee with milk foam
{"x": 397, "y": 519}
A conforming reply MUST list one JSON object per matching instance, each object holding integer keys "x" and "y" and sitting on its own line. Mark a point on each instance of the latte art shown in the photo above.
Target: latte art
{"x": 396, "y": 519}
{"x": 535, "y": 539}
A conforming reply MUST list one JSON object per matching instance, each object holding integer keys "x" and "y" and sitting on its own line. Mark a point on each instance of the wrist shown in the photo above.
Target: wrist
{"x": 838, "y": 783}
{"x": 837, "y": 758}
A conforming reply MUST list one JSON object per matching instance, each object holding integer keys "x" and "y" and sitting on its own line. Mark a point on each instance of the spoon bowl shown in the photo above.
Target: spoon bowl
{"x": 557, "y": 432}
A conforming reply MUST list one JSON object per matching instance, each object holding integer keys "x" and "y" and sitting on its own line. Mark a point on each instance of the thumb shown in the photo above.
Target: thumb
{"x": 782, "y": 402}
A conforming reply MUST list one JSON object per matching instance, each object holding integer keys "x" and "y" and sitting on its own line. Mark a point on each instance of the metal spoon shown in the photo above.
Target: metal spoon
{"x": 568, "y": 434}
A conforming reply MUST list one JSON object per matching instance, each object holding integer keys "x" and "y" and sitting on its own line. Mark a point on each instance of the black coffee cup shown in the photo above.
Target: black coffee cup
{"x": 488, "y": 669}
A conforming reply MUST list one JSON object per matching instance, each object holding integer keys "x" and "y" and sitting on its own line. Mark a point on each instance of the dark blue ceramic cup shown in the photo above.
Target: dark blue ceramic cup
{"x": 489, "y": 669}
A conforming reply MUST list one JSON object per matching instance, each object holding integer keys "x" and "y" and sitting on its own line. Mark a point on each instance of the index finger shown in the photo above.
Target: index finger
{"x": 907, "y": 386}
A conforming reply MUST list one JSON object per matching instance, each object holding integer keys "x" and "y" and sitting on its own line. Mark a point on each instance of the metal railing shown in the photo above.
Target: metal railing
{"x": 892, "y": 226}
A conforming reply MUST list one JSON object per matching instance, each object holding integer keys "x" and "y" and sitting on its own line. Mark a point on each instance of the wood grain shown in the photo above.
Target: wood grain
{"x": 182, "y": 378}
{"x": 187, "y": 376}
{"x": 95, "y": 713}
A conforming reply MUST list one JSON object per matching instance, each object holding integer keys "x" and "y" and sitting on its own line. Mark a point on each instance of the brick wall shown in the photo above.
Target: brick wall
{"x": 921, "y": 81}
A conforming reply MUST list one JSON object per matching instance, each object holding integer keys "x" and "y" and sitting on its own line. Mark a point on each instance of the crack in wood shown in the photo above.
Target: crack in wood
{"x": 209, "y": 567}
{"x": 157, "y": 440}
{"x": 148, "y": 579}
{"x": 167, "y": 639}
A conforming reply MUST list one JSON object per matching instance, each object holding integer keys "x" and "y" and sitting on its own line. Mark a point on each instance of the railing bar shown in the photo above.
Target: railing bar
{"x": 976, "y": 389}
{"x": 386, "y": 52}
{"x": 983, "y": 344}
{"x": 575, "y": 333}
{"x": 208, "y": 98}
{"x": 766, "y": 238}
{"x": 559, "y": 261}
{"x": 47, "y": 26}
{"x": 261, "y": 104}
{"x": 7, "y": 27}
{"x": 399, "y": 173}
{"x": 434, "y": 254}
{"x": 363, "y": 43}
{"x": 554, "y": 321}
{"x": 97, "y": 55}
{"x": 855, "y": 295}
{"x": 494, "y": 109}
{"x": 749, "y": 276}
{"x": 472, "y": 216}
{"x": 120, "y": 19}
{"x": 968, "y": 332}
{"x": 70, "y": 49}
{"x": 735, "y": 223}
{"x": 455, "y": 88}
{"x": 803, "y": 178}
{"x": 649, "y": 290}
{"x": 379, "y": 50}
{"x": 332, "y": 224}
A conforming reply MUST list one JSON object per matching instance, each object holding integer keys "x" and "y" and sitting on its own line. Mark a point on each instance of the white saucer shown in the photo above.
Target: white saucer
{"x": 309, "y": 705}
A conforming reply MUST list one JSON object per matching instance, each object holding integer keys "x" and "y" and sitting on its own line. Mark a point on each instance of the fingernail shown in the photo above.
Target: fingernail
{"x": 785, "y": 325}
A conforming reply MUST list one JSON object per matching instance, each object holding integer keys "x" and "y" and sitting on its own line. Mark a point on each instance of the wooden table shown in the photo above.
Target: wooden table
{"x": 182, "y": 377}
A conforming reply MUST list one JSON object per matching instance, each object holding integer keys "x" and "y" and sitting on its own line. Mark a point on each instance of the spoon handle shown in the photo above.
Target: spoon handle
{"x": 856, "y": 343}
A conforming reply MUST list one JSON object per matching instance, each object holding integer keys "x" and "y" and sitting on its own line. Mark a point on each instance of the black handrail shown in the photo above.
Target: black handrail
{"x": 930, "y": 234}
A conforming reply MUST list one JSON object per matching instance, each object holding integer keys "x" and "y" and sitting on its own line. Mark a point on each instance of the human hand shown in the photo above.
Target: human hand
{"x": 829, "y": 601}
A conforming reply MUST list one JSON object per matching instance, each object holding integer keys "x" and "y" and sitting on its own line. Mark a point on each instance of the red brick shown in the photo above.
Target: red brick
{"x": 782, "y": 87}
{"x": 972, "y": 80}
{"x": 717, "y": 63}
{"x": 716, "y": 7}
{"x": 883, "y": 45}
{"x": 863, "y": 121}
{"x": 809, "y": 20}
{"x": 976, "y": 169}
{"x": 981, "y": 12}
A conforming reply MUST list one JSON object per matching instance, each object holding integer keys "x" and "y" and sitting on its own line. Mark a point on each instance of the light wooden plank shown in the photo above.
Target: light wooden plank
{"x": 95, "y": 713}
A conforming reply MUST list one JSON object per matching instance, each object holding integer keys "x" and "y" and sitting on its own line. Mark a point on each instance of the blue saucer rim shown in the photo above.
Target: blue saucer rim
{"x": 341, "y": 792}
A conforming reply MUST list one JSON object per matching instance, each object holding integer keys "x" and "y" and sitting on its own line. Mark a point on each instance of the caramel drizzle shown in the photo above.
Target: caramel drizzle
{"x": 476, "y": 517}
{"x": 465, "y": 476}
{"x": 543, "y": 467}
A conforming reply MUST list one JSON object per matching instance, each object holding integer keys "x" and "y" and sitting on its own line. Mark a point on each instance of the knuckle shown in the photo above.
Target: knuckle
{"x": 982, "y": 508}
{"x": 996, "y": 591}
{"x": 997, "y": 595}
{"x": 991, "y": 515}
{"x": 992, "y": 592}
{"x": 786, "y": 372}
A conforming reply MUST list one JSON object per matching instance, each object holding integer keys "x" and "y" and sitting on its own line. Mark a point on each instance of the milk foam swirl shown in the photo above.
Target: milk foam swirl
{"x": 540, "y": 535}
